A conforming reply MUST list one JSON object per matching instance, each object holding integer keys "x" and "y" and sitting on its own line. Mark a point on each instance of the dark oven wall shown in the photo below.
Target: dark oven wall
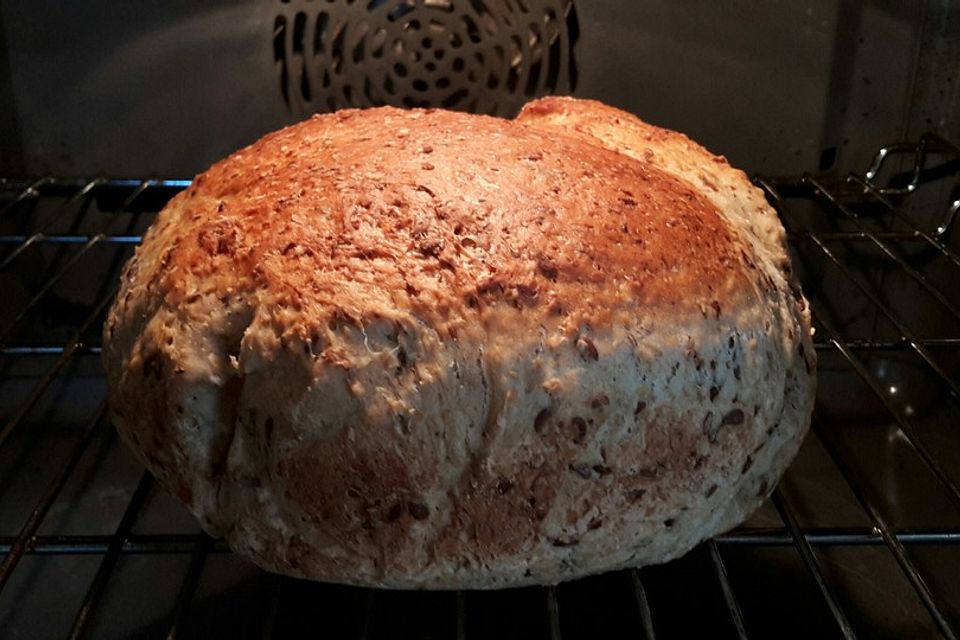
{"x": 137, "y": 89}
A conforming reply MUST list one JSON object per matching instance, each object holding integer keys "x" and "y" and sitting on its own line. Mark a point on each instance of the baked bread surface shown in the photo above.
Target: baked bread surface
{"x": 436, "y": 350}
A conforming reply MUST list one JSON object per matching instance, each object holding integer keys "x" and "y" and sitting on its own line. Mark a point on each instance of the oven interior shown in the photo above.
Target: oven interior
{"x": 107, "y": 110}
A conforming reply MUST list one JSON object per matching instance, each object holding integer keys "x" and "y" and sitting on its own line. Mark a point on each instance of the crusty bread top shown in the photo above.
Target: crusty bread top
{"x": 405, "y": 210}
{"x": 726, "y": 187}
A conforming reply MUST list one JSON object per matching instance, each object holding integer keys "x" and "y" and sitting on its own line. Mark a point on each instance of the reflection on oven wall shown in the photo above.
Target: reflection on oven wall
{"x": 167, "y": 88}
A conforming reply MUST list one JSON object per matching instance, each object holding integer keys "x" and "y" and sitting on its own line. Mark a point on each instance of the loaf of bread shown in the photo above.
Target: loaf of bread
{"x": 425, "y": 349}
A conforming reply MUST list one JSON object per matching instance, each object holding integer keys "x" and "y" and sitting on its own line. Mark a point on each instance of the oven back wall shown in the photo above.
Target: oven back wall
{"x": 167, "y": 88}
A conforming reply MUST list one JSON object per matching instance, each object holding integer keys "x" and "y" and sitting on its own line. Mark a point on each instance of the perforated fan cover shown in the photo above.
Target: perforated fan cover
{"x": 482, "y": 56}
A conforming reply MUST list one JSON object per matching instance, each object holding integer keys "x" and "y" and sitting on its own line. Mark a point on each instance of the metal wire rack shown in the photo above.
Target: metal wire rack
{"x": 861, "y": 538}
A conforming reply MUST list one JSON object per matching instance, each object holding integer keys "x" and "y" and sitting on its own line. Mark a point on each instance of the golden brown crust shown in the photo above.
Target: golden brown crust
{"x": 729, "y": 189}
{"x": 409, "y": 208}
{"x": 421, "y": 348}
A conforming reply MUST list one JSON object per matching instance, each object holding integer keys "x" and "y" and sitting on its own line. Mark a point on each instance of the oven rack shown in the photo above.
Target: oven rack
{"x": 869, "y": 262}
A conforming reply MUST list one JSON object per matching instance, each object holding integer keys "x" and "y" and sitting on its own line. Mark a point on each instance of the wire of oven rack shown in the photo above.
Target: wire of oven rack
{"x": 895, "y": 211}
{"x": 826, "y": 437}
{"x": 928, "y": 143}
{"x": 109, "y": 561}
{"x": 553, "y": 612}
{"x": 273, "y": 606}
{"x": 66, "y": 354}
{"x": 906, "y": 335}
{"x": 894, "y": 545}
{"x": 201, "y": 548}
{"x": 909, "y": 339}
{"x": 460, "y": 616}
{"x": 32, "y": 190}
{"x": 905, "y": 332}
{"x": 883, "y": 246}
{"x": 730, "y": 599}
{"x": 904, "y": 425}
{"x": 643, "y": 606}
{"x": 173, "y": 543}
{"x": 16, "y": 548}
{"x": 881, "y": 533}
{"x": 810, "y": 561}
{"x": 24, "y": 243}
{"x": 368, "y": 608}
